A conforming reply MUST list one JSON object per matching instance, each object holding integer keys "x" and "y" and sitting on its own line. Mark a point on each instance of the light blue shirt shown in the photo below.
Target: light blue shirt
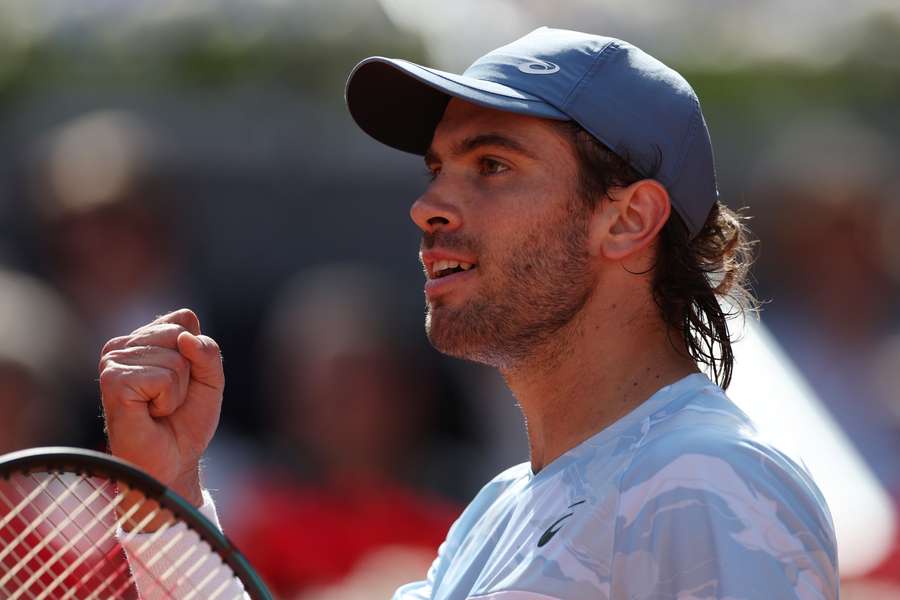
{"x": 681, "y": 498}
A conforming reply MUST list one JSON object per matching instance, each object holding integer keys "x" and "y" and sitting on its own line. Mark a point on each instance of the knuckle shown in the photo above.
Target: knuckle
{"x": 114, "y": 344}
{"x": 185, "y": 313}
{"x": 110, "y": 376}
{"x": 145, "y": 326}
{"x": 165, "y": 317}
{"x": 210, "y": 346}
{"x": 104, "y": 364}
{"x": 173, "y": 328}
{"x": 135, "y": 338}
{"x": 160, "y": 334}
{"x": 182, "y": 316}
{"x": 128, "y": 353}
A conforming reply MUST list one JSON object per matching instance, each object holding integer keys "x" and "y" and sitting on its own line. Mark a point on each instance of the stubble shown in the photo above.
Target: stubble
{"x": 523, "y": 304}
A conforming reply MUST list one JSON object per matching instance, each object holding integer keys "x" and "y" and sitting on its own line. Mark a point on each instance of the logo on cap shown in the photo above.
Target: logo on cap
{"x": 538, "y": 67}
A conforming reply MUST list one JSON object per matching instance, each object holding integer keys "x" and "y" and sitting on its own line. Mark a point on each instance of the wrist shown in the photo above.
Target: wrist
{"x": 148, "y": 513}
{"x": 188, "y": 486}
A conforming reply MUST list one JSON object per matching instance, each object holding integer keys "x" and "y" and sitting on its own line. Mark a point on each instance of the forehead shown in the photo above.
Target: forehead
{"x": 463, "y": 120}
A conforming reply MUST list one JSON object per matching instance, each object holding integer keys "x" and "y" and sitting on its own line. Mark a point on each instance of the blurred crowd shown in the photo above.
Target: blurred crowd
{"x": 338, "y": 418}
{"x": 356, "y": 438}
{"x": 828, "y": 217}
{"x": 832, "y": 252}
{"x": 355, "y": 455}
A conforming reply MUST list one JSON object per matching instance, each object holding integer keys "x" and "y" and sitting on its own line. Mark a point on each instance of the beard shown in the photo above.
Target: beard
{"x": 522, "y": 305}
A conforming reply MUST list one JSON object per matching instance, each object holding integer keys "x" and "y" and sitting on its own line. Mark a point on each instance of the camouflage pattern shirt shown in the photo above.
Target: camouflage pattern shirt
{"x": 681, "y": 498}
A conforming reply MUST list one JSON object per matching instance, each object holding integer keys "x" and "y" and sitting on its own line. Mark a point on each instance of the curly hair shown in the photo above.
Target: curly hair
{"x": 699, "y": 282}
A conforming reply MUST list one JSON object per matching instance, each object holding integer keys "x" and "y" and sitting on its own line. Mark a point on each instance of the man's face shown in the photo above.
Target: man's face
{"x": 503, "y": 199}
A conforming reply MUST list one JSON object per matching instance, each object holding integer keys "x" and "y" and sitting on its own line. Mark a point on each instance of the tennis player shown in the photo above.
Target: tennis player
{"x": 573, "y": 239}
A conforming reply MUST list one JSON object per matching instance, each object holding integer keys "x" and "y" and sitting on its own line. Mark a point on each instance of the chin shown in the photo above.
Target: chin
{"x": 440, "y": 331}
{"x": 456, "y": 333}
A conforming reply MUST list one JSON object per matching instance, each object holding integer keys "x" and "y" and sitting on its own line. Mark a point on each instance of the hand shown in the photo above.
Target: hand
{"x": 162, "y": 393}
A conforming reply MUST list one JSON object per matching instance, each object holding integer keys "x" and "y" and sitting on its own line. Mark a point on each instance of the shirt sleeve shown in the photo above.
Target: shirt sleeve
{"x": 417, "y": 590}
{"x": 436, "y": 578}
{"x": 706, "y": 518}
{"x": 424, "y": 589}
{"x": 175, "y": 563}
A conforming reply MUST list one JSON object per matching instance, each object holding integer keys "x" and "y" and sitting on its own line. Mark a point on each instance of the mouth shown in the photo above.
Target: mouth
{"x": 444, "y": 268}
{"x": 443, "y": 274}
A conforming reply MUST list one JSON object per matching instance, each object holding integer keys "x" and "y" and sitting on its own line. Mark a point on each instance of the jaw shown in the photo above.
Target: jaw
{"x": 511, "y": 322}
{"x": 516, "y": 309}
{"x": 486, "y": 335}
{"x": 460, "y": 330}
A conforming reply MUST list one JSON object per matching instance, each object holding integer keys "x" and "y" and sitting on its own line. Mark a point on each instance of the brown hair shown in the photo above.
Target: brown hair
{"x": 691, "y": 274}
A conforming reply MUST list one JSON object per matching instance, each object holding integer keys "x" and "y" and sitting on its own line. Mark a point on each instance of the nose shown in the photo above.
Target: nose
{"x": 431, "y": 212}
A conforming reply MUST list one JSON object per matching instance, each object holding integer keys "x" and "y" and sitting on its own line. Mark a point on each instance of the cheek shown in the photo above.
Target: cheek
{"x": 527, "y": 213}
{"x": 529, "y": 192}
{"x": 507, "y": 214}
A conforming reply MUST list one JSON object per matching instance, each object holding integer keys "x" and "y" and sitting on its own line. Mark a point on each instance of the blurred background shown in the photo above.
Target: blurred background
{"x": 160, "y": 154}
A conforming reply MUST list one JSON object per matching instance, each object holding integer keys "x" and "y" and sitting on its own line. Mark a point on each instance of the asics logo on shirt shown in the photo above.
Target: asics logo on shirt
{"x": 551, "y": 531}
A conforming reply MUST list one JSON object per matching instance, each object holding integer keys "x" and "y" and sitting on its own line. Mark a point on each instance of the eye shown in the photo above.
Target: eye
{"x": 431, "y": 172}
{"x": 490, "y": 166}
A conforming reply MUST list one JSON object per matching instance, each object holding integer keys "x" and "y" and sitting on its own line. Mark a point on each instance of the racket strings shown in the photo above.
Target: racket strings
{"x": 71, "y": 519}
{"x": 69, "y": 536}
{"x": 15, "y": 512}
{"x": 63, "y": 562}
{"x": 114, "y": 552}
{"x": 55, "y": 569}
{"x": 97, "y": 543}
{"x": 114, "y": 527}
{"x": 14, "y": 555}
{"x": 70, "y": 522}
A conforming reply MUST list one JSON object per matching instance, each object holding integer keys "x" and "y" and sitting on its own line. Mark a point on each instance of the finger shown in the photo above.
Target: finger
{"x": 164, "y": 335}
{"x": 184, "y": 317}
{"x": 125, "y": 387}
{"x": 155, "y": 356}
{"x": 115, "y": 343}
{"x": 205, "y": 357}
{"x": 161, "y": 332}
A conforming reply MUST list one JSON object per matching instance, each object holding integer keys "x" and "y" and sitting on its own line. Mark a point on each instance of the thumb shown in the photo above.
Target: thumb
{"x": 205, "y": 358}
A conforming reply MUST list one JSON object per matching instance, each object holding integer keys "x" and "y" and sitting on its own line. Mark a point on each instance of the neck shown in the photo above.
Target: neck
{"x": 605, "y": 363}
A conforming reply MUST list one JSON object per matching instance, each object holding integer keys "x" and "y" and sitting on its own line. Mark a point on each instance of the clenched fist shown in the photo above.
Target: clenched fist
{"x": 162, "y": 394}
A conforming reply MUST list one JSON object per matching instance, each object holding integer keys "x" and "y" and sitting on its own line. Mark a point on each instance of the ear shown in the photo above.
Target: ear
{"x": 630, "y": 219}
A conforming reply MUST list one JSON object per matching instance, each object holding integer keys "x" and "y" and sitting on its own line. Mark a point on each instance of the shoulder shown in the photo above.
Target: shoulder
{"x": 509, "y": 476}
{"x": 494, "y": 489}
{"x": 486, "y": 498}
{"x": 717, "y": 491}
{"x": 481, "y": 510}
{"x": 706, "y": 503}
{"x": 710, "y": 445}
{"x": 723, "y": 464}
{"x": 497, "y": 486}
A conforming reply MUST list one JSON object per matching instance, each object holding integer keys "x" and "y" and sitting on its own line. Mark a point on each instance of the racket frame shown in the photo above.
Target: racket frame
{"x": 80, "y": 461}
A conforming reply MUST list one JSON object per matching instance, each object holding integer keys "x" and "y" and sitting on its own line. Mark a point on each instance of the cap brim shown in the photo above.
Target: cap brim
{"x": 400, "y": 103}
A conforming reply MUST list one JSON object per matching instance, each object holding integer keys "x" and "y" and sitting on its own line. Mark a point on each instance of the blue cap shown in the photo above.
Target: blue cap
{"x": 644, "y": 111}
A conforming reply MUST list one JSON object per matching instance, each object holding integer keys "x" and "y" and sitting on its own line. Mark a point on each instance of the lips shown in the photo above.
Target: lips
{"x": 441, "y": 285}
{"x": 444, "y": 270}
{"x": 443, "y": 267}
{"x": 442, "y": 263}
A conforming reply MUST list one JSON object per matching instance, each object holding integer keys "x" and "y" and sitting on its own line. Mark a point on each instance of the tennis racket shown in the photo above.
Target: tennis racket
{"x": 79, "y": 525}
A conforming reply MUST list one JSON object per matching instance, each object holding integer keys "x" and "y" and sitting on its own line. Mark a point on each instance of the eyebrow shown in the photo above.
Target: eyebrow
{"x": 470, "y": 144}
